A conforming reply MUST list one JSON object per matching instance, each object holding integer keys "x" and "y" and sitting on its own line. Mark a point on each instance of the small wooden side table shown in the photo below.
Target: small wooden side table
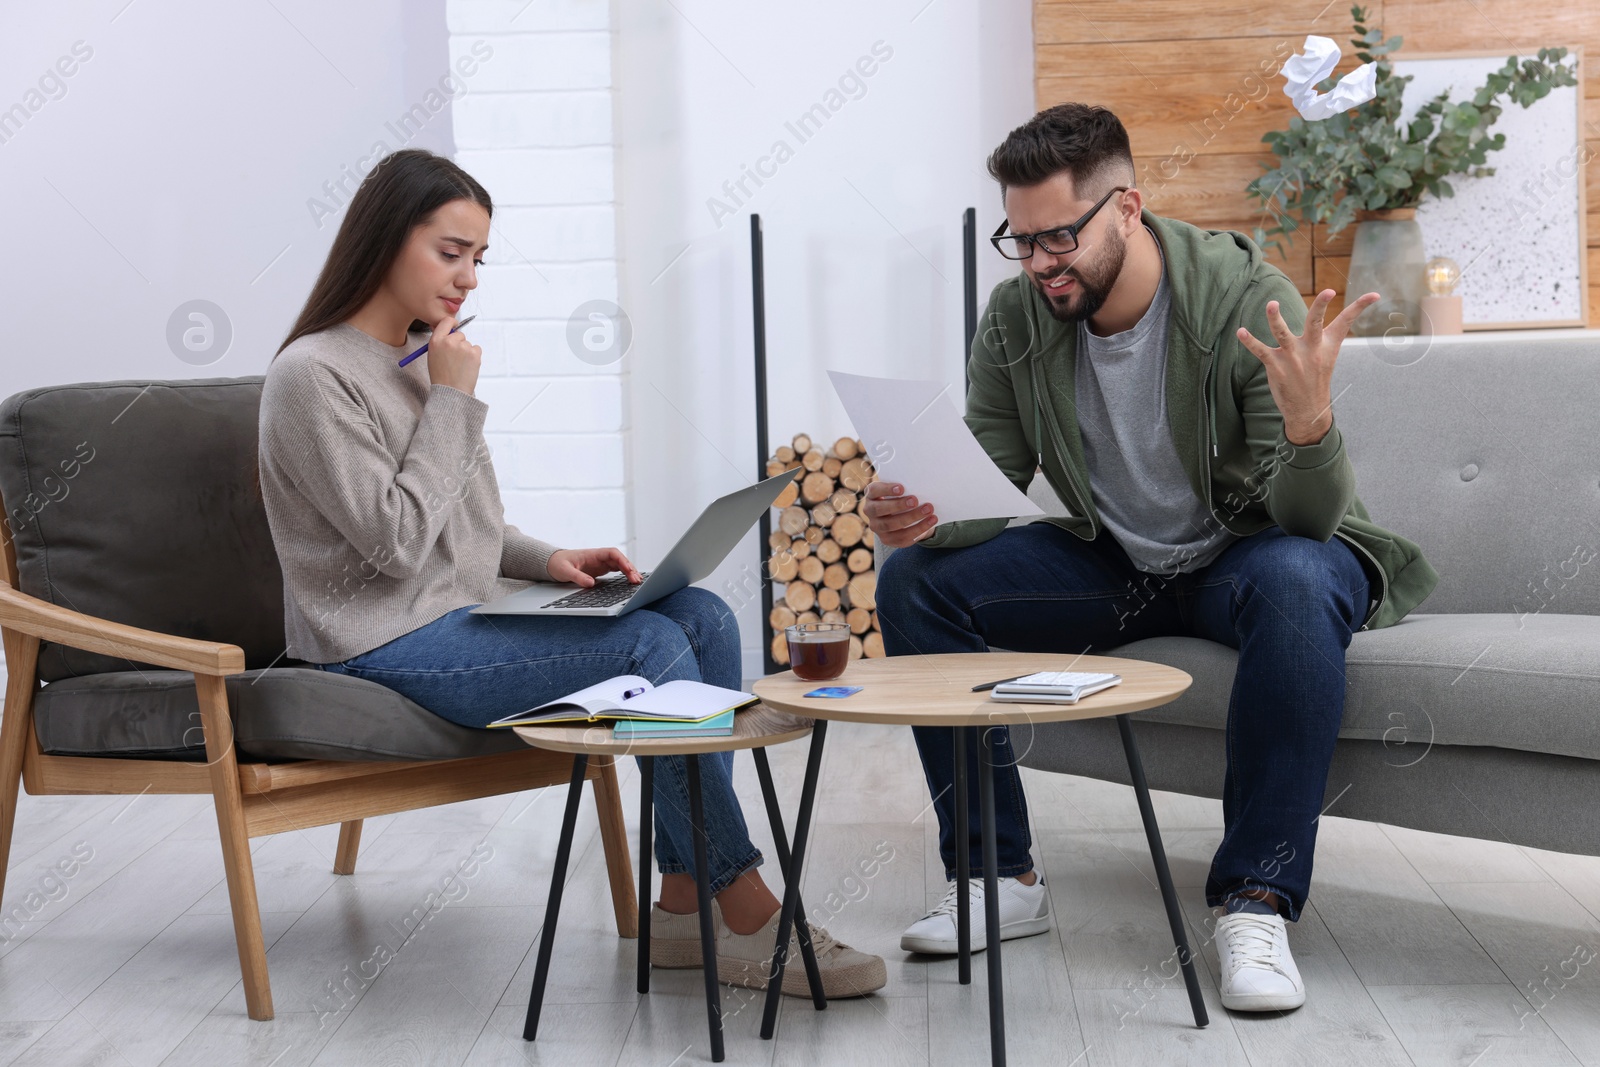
{"x": 936, "y": 690}
{"x": 754, "y": 728}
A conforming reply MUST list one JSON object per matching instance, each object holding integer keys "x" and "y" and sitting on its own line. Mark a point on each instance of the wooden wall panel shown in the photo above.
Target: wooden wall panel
{"x": 1202, "y": 192}
{"x": 1075, "y": 21}
{"x": 1196, "y": 101}
{"x": 1594, "y": 272}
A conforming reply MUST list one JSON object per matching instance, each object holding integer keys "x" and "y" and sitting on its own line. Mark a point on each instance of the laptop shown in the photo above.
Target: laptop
{"x": 698, "y": 552}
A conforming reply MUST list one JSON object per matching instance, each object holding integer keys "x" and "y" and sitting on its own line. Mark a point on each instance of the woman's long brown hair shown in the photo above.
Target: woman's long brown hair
{"x": 402, "y": 192}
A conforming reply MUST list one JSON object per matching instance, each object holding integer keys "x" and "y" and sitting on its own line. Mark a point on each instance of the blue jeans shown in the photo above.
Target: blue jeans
{"x": 1288, "y": 604}
{"x": 473, "y": 669}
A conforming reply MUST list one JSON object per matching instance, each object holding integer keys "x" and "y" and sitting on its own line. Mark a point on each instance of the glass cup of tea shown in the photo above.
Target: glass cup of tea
{"x": 818, "y": 651}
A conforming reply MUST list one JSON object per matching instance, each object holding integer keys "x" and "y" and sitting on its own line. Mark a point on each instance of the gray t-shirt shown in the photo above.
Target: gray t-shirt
{"x": 1137, "y": 481}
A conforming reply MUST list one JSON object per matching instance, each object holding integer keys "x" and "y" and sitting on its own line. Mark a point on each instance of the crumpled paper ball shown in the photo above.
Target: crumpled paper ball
{"x": 1319, "y": 55}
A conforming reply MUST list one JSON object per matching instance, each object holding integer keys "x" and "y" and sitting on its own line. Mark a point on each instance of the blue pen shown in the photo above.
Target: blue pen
{"x": 631, "y": 693}
{"x": 424, "y": 348}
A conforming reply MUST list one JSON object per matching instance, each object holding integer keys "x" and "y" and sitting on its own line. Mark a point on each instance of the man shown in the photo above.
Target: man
{"x": 1210, "y": 496}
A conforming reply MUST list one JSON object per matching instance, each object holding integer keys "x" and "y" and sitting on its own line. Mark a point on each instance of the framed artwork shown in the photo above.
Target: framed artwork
{"x": 1518, "y": 235}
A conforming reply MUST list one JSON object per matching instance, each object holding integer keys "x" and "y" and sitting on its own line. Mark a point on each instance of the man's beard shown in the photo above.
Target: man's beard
{"x": 1093, "y": 282}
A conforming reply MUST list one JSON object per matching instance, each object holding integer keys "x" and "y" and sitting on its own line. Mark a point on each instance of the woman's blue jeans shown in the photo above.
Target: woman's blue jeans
{"x": 1288, "y": 604}
{"x": 473, "y": 669}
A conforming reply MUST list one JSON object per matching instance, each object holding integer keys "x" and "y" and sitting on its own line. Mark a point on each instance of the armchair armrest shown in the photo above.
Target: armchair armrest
{"x": 41, "y": 619}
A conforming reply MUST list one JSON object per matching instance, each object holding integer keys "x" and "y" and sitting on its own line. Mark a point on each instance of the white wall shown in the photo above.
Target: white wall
{"x": 185, "y": 159}
{"x": 536, "y": 130}
{"x": 207, "y": 151}
{"x": 862, "y": 224}
{"x": 178, "y": 162}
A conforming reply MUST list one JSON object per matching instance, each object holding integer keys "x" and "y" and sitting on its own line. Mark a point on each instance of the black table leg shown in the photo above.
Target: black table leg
{"x": 791, "y": 885}
{"x": 647, "y": 777}
{"x": 1163, "y": 876}
{"x": 963, "y": 838}
{"x": 558, "y": 879}
{"x": 702, "y": 885}
{"x": 780, "y": 842}
{"x": 987, "y": 757}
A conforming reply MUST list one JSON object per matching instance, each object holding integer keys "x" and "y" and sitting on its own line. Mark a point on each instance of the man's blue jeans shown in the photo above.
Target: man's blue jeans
{"x": 1288, "y": 604}
{"x": 473, "y": 669}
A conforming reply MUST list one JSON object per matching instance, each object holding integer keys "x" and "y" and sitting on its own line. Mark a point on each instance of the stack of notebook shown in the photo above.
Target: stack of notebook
{"x": 718, "y": 725}
{"x": 1053, "y": 687}
{"x": 679, "y": 708}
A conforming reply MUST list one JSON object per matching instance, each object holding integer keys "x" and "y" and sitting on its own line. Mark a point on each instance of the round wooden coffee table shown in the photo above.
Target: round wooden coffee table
{"x": 754, "y": 728}
{"x": 938, "y": 691}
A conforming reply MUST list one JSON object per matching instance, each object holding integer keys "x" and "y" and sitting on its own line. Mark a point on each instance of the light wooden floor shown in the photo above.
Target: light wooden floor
{"x": 1417, "y": 949}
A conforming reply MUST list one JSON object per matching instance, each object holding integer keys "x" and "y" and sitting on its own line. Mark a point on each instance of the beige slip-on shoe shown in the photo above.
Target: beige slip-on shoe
{"x": 675, "y": 939}
{"x": 746, "y": 959}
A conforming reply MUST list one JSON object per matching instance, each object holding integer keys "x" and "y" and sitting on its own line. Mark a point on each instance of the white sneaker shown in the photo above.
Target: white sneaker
{"x": 1258, "y": 974}
{"x": 1024, "y": 911}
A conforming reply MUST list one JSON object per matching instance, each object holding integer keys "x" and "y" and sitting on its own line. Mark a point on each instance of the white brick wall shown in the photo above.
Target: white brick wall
{"x": 539, "y": 176}
{"x": 536, "y": 129}
{"x": 530, "y": 56}
{"x": 570, "y": 119}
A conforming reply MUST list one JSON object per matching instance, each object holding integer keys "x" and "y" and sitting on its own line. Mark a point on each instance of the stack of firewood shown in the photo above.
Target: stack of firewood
{"x": 821, "y": 547}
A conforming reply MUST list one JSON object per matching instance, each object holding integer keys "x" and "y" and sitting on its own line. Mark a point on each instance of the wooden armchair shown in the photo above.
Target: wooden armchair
{"x": 139, "y": 497}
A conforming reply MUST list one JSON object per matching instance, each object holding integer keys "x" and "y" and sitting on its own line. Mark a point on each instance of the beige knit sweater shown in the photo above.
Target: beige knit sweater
{"x": 380, "y": 495}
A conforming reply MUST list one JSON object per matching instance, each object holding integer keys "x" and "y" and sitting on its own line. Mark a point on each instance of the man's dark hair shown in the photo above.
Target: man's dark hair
{"x": 1087, "y": 141}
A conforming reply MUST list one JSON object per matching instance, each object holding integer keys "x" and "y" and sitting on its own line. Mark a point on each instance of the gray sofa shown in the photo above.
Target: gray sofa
{"x": 1479, "y": 713}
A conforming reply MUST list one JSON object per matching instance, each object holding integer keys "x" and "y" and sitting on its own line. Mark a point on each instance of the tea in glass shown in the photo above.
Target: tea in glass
{"x": 818, "y": 651}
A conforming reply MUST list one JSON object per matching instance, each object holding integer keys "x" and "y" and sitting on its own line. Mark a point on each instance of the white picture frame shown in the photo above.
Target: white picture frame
{"x": 1536, "y": 195}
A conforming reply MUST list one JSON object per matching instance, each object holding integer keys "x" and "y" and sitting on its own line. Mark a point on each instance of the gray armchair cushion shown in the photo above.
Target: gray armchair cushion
{"x": 278, "y": 714}
{"x": 135, "y": 501}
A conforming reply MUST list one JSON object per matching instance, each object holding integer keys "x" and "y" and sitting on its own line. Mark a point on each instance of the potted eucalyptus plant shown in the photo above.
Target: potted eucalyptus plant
{"x": 1365, "y": 166}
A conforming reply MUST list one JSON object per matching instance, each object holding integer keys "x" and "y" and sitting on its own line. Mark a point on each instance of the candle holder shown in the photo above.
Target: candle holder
{"x": 1441, "y": 309}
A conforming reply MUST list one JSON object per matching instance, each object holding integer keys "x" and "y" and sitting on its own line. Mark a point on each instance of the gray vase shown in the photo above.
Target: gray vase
{"x": 1387, "y": 259}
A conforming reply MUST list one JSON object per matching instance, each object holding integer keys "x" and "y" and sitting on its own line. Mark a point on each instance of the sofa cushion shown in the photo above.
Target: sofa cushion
{"x": 135, "y": 501}
{"x": 278, "y": 714}
{"x": 1527, "y": 682}
{"x": 1479, "y": 453}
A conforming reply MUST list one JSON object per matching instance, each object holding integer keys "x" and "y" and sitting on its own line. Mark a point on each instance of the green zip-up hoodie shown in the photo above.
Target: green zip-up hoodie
{"x": 1224, "y": 422}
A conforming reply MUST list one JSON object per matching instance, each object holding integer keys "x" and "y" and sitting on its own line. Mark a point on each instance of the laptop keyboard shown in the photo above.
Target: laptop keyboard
{"x": 604, "y": 593}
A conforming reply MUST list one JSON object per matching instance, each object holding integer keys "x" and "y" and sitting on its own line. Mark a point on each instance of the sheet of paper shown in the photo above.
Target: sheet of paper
{"x": 913, "y": 435}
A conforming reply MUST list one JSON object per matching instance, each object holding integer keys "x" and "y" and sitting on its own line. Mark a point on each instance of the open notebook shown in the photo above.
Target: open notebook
{"x": 628, "y": 696}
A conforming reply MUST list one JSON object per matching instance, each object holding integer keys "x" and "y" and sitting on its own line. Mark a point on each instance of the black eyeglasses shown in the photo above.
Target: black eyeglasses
{"x": 1057, "y": 242}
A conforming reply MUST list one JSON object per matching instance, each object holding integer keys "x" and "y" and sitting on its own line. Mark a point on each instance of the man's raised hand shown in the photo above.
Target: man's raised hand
{"x": 1300, "y": 369}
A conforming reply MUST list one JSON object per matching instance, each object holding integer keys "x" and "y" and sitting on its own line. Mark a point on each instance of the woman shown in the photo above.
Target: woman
{"x": 387, "y": 519}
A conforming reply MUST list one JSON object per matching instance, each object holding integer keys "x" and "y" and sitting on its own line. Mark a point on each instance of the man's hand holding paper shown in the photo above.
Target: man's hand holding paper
{"x": 895, "y": 519}
{"x": 915, "y": 438}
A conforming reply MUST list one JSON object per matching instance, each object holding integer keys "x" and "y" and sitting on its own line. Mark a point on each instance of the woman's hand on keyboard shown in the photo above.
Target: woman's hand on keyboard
{"x": 584, "y": 565}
